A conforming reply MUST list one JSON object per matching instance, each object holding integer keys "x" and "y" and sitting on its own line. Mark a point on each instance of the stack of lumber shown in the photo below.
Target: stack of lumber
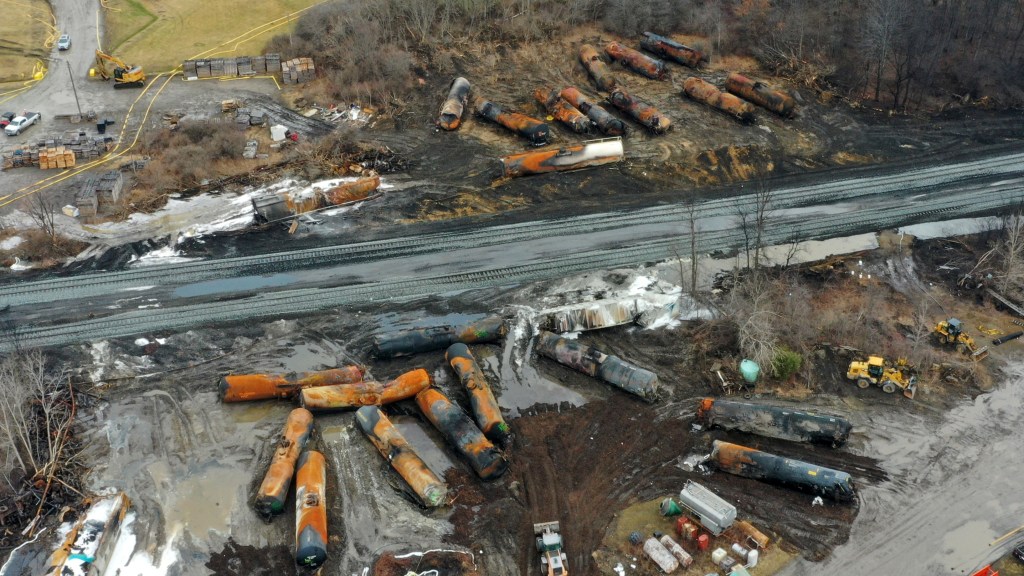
{"x": 232, "y": 67}
{"x": 298, "y": 70}
{"x": 56, "y": 157}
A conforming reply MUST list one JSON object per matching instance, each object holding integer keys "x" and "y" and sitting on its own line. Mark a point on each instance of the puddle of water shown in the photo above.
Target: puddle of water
{"x": 229, "y": 285}
{"x": 431, "y": 451}
{"x": 521, "y": 385}
{"x": 332, "y": 433}
{"x": 200, "y": 500}
{"x": 955, "y": 227}
{"x": 250, "y": 412}
{"x": 309, "y": 356}
{"x": 960, "y": 545}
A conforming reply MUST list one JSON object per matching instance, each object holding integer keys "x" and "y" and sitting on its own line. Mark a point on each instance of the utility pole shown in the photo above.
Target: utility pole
{"x": 73, "y": 89}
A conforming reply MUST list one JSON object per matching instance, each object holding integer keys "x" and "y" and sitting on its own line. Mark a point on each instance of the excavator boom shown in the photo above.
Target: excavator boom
{"x": 124, "y": 75}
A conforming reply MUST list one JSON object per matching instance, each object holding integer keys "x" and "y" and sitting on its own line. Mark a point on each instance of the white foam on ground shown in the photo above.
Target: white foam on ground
{"x": 165, "y": 255}
{"x": 125, "y": 561}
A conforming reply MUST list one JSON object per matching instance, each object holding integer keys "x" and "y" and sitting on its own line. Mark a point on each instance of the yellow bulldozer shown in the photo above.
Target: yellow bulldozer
{"x": 124, "y": 75}
{"x": 875, "y": 372}
{"x": 952, "y": 332}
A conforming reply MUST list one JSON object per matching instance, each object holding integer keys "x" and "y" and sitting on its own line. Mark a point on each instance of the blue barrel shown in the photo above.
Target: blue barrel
{"x": 750, "y": 370}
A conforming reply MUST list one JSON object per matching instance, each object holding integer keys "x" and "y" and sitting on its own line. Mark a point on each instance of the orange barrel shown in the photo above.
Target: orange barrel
{"x": 274, "y": 490}
{"x": 242, "y": 387}
{"x": 597, "y": 68}
{"x": 405, "y": 342}
{"x": 343, "y": 396}
{"x": 397, "y": 451}
{"x": 350, "y": 191}
{"x": 454, "y": 104}
{"x": 485, "y": 408}
{"x": 458, "y": 429}
{"x": 311, "y": 509}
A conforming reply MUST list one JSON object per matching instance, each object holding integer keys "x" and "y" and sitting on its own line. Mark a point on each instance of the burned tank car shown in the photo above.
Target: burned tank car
{"x": 774, "y": 421}
{"x": 796, "y": 474}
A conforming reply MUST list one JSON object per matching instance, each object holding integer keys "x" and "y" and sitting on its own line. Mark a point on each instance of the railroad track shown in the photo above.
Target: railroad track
{"x": 921, "y": 180}
{"x": 303, "y": 301}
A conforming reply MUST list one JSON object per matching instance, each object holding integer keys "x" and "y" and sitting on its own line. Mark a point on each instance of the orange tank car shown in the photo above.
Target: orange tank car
{"x": 350, "y": 191}
{"x": 761, "y": 94}
{"x": 575, "y": 157}
{"x": 451, "y": 111}
{"x": 668, "y": 48}
{"x": 396, "y": 450}
{"x": 530, "y": 128}
{"x": 707, "y": 93}
{"x": 604, "y": 120}
{"x": 311, "y": 510}
{"x": 243, "y": 387}
{"x": 640, "y": 111}
{"x": 635, "y": 61}
{"x": 597, "y": 68}
{"x": 274, "y": 489}
{"x": 562, "y": 111}
{"x": 485, "y": 407}
{"x": 460, "y": 431}
{"x": 343, "y": 396}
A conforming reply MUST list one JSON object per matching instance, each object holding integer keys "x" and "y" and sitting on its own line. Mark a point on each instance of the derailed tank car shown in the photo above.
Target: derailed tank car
{"x": 668, "y": 48}
{"x": 530, "y": 128}
{"x": 761, "y": 94}
{"x": 451, "y": 111}
{"x": 751, "y": 463}
{"x": 774, "y": 421}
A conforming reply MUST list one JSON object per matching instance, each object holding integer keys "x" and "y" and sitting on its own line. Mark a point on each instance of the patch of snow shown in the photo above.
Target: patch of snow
{"x": 19, "y": 265}
{"x": 161, "y": 341}
{"x": 137, "y": 288}
{"x": 640, "y": 284}
{"x": 165, "y": 255}
{"x": 144, "y": 306}
{"x": 141, "y": 341}
{"x": 619, "y": 569}
{"x": 571, "y": 335}
{"x": 11, "y": 243}
{"x": 124, "y": 560}
{"x": 100, "y": 352}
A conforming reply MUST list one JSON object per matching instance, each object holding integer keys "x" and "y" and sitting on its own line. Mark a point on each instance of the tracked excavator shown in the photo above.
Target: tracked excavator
{"x": 124, "y": 75}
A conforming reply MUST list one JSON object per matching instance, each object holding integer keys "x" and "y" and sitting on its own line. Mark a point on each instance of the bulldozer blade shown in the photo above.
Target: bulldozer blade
{"x": 981, "y": 353}
{"x": 540, "y": 527}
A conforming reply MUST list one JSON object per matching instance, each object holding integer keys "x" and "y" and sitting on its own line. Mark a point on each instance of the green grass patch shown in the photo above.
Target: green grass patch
{"x": 23, "y": 45}
{"x": 159, "y": 36}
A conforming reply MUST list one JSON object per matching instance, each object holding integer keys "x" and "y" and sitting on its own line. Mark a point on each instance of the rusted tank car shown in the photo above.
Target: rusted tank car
{"x": 593, "y": 362}
{"x": 311, "y": 510}
{"x": 562, "y": 111}
{"x": 761, "y": 94}
{"x": 356, "y": 394}
{"x": 640, "y": 111}
{"x": 274, "y": 489}
{"x": 583, "y": 155}
{"x": 668, "y": 48}
{"x": 87, "y": 548}
{"x": 597, "y": 69}
{"x": 532, "y": 129}
{"x": 244, "y": 387}
{"x": 485, "y": 408}
{"x": 604, "y": 120}
{"x": 460, "y": 431}
{"x": 774, "y": 421}
{"x": 707, "y": 93}
{"x": 430, "y": 489}
{"x": 451, "y": 111}
{"x": 751, "y": 463}
{"x": 350, "y": 191}
{"x": 636, "y": 61}
{"x": 405, "y": 342}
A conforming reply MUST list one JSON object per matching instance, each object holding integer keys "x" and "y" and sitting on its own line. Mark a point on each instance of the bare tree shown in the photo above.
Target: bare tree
{"x": 1010, "y": 251}
{"x": 762, "y": 211}
{"x": 42, "y": 210}
{"x": 753, "y": 307}
{"x": 693, "y": 228}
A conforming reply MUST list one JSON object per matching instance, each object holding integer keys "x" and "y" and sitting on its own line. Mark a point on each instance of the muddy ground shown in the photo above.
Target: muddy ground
{"x": 582, "y": 452}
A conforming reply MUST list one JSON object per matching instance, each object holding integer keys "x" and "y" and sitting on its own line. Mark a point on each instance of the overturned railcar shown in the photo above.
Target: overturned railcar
{"x": 636, "y": 61}
{"x": 485, "y": 406}
{"x": 451, "y": 111}
{"x": 562, "y": 111}
{"x": 366, "y": 393}
{"x": 311, "y": 509}
{"x": 597, "y": 68}
{"x": 774, "y": 421}
{"x": 393, "y": 446}
{"x": 751, "y": 463}
{"x": 530, "y": 128}
{"x": 575, "y": 157}
{"x": 462, "y": 434}
{"x": 640, "y": 111}
{"x": 593, "y": 362}
{"x": 668, "y": 48}
{"x": 604, "y": 120}
{"x": 244, "y": 387}
{"x": 413, "y": 340}
{"x": 761, "y": 94}
{"x": 707, "y": 93}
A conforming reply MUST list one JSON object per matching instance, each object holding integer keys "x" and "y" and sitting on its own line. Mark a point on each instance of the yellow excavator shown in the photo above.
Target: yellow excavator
{"x": 952, "y": 332}
{"x": 124, "y": 75}
{"x": 874, "y": 371}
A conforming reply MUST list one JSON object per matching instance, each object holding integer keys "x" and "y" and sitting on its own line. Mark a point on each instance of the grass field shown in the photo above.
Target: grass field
{"x": 160, "y": 35}
{"x": 24, "y": 44}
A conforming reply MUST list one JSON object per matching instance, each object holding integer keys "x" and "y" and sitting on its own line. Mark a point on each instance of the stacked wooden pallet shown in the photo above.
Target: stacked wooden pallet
{"x": 231, "y": 67}
{"x": 298, "y": 70}
{"x": 56, "y": 157}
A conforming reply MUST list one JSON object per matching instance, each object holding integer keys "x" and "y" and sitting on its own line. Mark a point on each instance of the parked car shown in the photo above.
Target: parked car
{"x": 20, "y": 123}
{"x": 64, "y": 43}
{"x": 6, "y": 118}
{"x": 1018, "y": 551}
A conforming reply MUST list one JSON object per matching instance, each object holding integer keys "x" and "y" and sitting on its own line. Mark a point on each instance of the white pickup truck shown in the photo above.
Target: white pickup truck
{"x": 18, "y": 125}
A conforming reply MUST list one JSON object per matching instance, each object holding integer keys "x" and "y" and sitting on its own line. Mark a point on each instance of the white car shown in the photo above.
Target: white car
{"x": 18, "y": 125}
{"x": 64, "y": 43}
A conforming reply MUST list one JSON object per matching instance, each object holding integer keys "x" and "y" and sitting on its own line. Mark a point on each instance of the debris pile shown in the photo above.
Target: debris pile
{"x": 100, "y": 195}
{"x": 49, "y": 153}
